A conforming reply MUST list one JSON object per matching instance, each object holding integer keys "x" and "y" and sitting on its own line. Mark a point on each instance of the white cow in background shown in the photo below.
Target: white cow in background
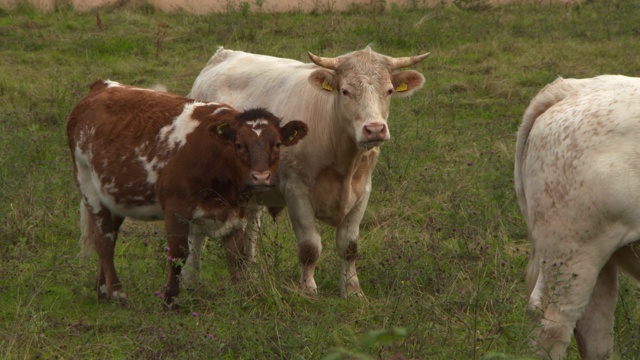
{"x": 577, "y": 179}
{"x": 345, "y": 102}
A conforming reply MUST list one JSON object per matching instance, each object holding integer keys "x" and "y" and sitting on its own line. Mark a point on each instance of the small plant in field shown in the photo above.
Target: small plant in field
{"x": 367, "y": 343}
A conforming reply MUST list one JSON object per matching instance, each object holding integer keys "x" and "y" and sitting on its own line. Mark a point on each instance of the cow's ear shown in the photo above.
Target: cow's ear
{"x": 322, "y": 79}
{"x": 407, "y": 82}
{"x": 292, "y": 132}
{"x": 222, "y": 130}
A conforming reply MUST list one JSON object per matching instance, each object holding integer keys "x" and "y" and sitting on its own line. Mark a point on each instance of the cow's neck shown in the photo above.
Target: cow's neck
{"x": 354, "y": 164}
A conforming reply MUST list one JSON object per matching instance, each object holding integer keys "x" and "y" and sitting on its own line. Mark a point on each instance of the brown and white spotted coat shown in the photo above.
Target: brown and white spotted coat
{"x": 577, "y": 179}
{"x": 345, "y": 101}
{"x": 151, "y": 155}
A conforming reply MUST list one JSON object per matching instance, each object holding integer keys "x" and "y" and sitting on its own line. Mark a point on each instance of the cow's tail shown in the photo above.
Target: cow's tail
{"x": 88, "y": 231}
{"x": 545, "y": 99}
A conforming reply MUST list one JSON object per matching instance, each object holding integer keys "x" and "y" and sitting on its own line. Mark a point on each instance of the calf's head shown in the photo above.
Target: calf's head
{"x": 363, "y": 83}
{"x": 257, "y": 138}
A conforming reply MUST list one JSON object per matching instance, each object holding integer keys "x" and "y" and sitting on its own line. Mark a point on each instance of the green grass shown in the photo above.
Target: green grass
{"x": 443, "y": 245}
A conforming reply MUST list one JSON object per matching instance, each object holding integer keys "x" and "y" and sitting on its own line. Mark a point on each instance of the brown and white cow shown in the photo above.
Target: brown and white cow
{"x": 345, "y": 102}
{"x": 151, "y": 155}
{"x": 577, "y": 179}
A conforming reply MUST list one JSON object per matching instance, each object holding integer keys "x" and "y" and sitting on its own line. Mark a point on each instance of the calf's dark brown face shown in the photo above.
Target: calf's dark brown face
{"x": 257, "y": 139}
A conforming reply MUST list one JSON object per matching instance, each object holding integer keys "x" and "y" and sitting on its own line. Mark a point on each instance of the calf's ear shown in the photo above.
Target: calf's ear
{"x": 222, "y": 130}
{"x": 407, "y": 82}
{"x": 292, "y": 132}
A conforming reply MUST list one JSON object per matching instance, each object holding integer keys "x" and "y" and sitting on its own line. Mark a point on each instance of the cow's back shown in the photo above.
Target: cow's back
{"x": 135, "y": 114}
{"x": 575, "y": 121}
{"x": 114, "y": 140}
{"x": 253, "y": 80}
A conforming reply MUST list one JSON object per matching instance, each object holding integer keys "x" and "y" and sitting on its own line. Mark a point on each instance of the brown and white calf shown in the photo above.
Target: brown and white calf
{"x": 151, "y": 155}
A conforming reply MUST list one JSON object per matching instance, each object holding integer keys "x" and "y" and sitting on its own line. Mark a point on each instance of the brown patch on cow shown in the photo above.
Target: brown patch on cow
{"x": 352, "y": 251}
{"x": 308, "y": 254}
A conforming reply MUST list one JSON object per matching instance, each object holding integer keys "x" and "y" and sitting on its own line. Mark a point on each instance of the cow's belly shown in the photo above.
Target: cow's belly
{"x": 125, "y": 200}
{"x": 146, "y": 212}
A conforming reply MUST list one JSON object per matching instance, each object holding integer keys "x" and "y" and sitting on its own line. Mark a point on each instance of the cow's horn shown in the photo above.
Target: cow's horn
{"x": 401, "y": 62}
{"x": 328, "y": 63}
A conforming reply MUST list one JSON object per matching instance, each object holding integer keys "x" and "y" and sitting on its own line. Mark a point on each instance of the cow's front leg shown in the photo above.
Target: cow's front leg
{"x": 177, "y": 228}
{"x": 303, "y": 219}
{"x": 347, "y": 244}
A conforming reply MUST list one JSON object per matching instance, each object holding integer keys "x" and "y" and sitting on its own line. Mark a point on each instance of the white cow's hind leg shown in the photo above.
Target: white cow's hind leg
{"x": 594, "y": 331}
{"x": 191, "y": 270}
{"x": 253, "y": 229}
{"x": 567, "y": 283}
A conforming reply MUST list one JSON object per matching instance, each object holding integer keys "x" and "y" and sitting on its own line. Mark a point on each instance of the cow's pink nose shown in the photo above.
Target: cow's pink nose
{"x": 375, "y": 131}
{"x": 260, "y": 178}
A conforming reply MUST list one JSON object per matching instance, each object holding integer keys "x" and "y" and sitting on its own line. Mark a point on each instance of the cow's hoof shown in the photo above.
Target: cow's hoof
{"x": 171, "y": 305}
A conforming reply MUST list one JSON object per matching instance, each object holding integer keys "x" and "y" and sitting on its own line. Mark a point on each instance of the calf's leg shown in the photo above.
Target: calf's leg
{"x": 101, "y": 228}
{"x": 177, "y": 229}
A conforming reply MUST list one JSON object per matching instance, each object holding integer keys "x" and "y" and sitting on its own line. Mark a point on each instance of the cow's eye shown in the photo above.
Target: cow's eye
{"x": 345, "y": 92}
{"x": 239, "y": 146}
{"x": 279, "y": 145}
{"x": 390, "y": 91}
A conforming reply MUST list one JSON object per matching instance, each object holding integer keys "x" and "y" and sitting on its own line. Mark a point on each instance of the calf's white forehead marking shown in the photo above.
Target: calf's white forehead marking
{"x": 257, "y": 123}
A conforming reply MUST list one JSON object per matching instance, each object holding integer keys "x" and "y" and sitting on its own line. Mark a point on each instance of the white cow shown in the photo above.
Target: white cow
{"x": 577, "y": 178}
{"x": 345, "y": 102}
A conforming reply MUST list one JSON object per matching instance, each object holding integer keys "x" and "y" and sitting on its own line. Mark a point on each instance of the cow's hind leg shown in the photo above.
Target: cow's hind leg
{"x": 100, "y": 229}
{"x": 594, "y": 331}
{"x": 254, "y": 213}
{"x": 191, "y": 270}
{"x": 562, "y": 292}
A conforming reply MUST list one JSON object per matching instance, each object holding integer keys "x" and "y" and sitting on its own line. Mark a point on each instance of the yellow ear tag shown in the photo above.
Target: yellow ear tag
{"x": 220, "y": 128}
{"x": 293, "y": 136}
{"x": 402, "y": 87}
{"x": 326, "y": 86}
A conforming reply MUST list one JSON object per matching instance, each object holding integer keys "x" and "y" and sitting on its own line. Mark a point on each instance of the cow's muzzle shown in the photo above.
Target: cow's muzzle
{"x": 261, "y": 179}
{"x": 374, "y": 134}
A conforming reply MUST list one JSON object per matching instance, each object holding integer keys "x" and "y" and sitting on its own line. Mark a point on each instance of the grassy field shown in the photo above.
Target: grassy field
{"x": 443, "y": 245}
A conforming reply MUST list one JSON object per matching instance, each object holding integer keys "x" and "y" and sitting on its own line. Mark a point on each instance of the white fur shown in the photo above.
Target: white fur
{"x": 577, "y": 178}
